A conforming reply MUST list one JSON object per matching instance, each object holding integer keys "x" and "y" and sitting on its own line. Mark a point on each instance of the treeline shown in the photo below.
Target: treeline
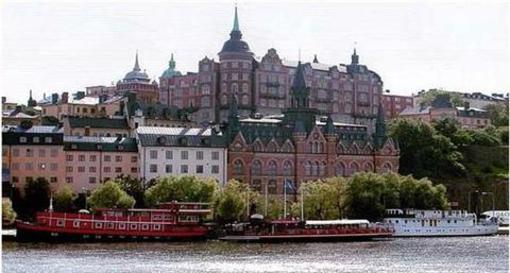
{"x": 364, "y": 195}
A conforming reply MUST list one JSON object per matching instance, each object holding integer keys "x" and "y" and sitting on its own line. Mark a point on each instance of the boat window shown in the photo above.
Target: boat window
{"x": 110, "y": 226}
{"x": 76, "y": 224}
{"x": 396, "y": 221}
{"x": 121, "y": 226}
{"x": 133, "y": 226}
{"x": 455, "y": 221}
{"x": 98, "y": 225}
{"x": 60, "y": 222}
{"x": 145, "y": 226}
{"x": 448, "y": 221}
{"x": 405, "y": 221}
{"x": 157, "y": 227}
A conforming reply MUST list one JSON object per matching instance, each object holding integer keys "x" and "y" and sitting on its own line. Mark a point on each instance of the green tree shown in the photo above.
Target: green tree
{"x": 498, "y": 113}
{"x": 318, "y": 200}
{"x": 37, "y": 195}
{"x": 366, "y": 196}
{"x": 64, "y": 199}
{"x": 8, "y": 214}
{"x": 181, "y": 188}
{"x": 338, "y": 186}
{"x": 134, "y": 187}
{"x": 232, "y": 203}
{"x": 274, "y": 206}
{"x": 426, "y": 98}
{"x": 110, "y": 195}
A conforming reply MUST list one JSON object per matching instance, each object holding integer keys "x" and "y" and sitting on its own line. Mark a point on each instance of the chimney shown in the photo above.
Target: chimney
{"x": 65, "y": 97}
{"x": 54, "y": 98}
{"x": 17, "y": 109}
{"x": 4, "y": 99}
{"x": 80, "y": 95}
{"x": 466, "y": 105}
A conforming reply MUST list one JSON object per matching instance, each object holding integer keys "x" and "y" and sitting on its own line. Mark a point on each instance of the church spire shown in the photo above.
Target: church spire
{"x": 315, "y": 60}
{"x": 31, "y": 102}
{"x": 171, "y": 63}
{"x": 137, "y": 67}
{"x": 236, "y": 21}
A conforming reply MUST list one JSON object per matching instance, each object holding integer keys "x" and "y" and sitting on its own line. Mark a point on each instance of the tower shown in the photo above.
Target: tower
{"x": 380, "y": 129}
{"x": 31, "y": 102}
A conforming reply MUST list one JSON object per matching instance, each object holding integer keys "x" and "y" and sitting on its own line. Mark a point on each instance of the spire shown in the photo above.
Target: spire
{"x": 171, "y": 63}
{"x": 315, "y": 60}
{"x": 329, "y": 129}
{"x": 299, "y": 78}
{"x": 31, "y": 102}
{"x": 236, "y": 21}
{"x": 354, "y": 57}
{"x": 137, "y": 67}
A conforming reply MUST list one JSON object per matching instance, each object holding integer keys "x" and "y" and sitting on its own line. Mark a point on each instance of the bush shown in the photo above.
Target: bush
{"x": 8, "y": 214}
{"x": 64, "y": 200}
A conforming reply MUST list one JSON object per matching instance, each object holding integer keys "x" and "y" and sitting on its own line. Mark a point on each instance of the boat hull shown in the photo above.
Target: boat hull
{"x": 307, "y": 238}
{"x": 447, "y": 232}
{"x": 31, "y": 232}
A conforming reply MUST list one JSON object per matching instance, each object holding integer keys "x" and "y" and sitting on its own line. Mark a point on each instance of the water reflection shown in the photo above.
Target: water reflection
{"x": 476, "y": 254}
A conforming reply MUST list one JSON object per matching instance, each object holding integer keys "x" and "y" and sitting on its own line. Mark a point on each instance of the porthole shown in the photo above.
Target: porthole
{"x": 98, "y": 225}
{"x": 133, "y": 226}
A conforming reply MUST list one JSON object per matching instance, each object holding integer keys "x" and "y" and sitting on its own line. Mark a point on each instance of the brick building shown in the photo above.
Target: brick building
{"x": 393, "y": 105}
{"x": 138, "y": 82}
{"x": 350, "y": 93}
{"x": 295, "y": 147}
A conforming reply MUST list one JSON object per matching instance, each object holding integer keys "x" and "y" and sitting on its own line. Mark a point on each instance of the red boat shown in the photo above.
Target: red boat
{"x": 170, "y": 221}
{"x": 293, "y": 230}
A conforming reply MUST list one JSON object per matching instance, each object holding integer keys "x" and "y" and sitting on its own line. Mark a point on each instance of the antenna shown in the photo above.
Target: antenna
{"x": 299, "y": 54}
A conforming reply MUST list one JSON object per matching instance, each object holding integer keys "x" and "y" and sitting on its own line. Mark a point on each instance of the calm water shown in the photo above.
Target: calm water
{"x": 475, "y": 254}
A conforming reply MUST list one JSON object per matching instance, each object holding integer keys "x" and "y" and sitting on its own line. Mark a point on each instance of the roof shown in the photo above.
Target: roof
{"x": 417, "y": 110}
{"x": 315, "y": 66}
{"x": 39, "y": 129}
{"x": 85, "y": 100}
{"x": 192, "y": 137}
{"x": 111, "y": 123}
{"x": 15, "y": 114}
{"x": 108, "y": 144}
{"x": 337, "y": 222}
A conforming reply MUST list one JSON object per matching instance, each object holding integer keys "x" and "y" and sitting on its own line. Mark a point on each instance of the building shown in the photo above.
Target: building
{"x": 350, "y": 93}
{"x": 441, "y": 107}
{"x": 180, "y": 151}
{"x": 138, "y": 82}
{"x": 8, "y": 106}
{"x": 91, "y": 160}
{"x": 96, "y": 127}
{"x": 393, "y": 105}
{"x": 296, "y": 147}
{"x": 16, "y": 116}
{"x": 101, "y": 90}
{"x": 29, "y": 153}
{"x": 475, "y": 99}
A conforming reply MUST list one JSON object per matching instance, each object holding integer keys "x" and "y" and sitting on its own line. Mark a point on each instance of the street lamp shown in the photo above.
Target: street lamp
{"x": 469, "y": 199}
{"x": 493, "y": 203}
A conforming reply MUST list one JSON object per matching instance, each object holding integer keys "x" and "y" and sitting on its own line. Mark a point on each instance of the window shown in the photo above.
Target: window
{"x": 53, "y": 166}
{"x": 169, "y": 155}
{"x": 107, "y": 169}
{"x": 15, "y": 179}
{"x": 184, "y": 154}
{"x": 238, "y": 167}
{"x": 93, "y": 158}
{"x": 15, "y": 152}
{"x": 184, "y": 168}
{"x": 29, "y": 166}
{"x": 54, "y": 152}
{"x": 69, "y": 169}
{"x": 81, "y": 169}
{"x": 118, "y": 169}
{"x": 200, "y": 155}
{"x": 271, "y": 187}
{"x": 29, "y": 153}
{"x": 168, "y": 168}
{"x": 287, "y": 168}
{"x": 48, "y": 139}
{"x": 215, "y": 155}
{"x": 35, "y": 139}
{"x": 256, "y": 168}
{"x": 92, "y": 180}
{"x": 200, "y": 169}
{"x": 134, "y": 169}
{"x": 22, "y": 139}
{"x": 272, "y": 168}
{"x": 42, "y": 153}
{"x": 15, "y": 166}
{"x": 118, "y": 158}
{"x": 69, "y": 179}
{"x": 107, "y": 158}
{"x": 215, "y": 169}
{"x": 256, "y": 184}
{"x": 134, "y": 159}
{"x": 153, "y": 168}
{"x": 153, "y": 154}
{"x": 42, "y": 166}
{"x": 81, "y": 158}
{"x": 53, "y": 179}
{"x": 92, "y": 169}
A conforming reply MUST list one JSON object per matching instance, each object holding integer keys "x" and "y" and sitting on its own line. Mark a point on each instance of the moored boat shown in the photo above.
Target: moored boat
{"x": 310, "y": 231}
{"x": 170, "y": 221}
{"x": 428, "y": 223}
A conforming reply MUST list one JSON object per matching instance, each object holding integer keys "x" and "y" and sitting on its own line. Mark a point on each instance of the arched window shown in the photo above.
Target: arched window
{"x": 272, "y": 167}
{"x": 308, "y": 168}
{"x": 257, "y": 147}
{"x": 315, "y": 147}
{"x": 387, "y": 167}
{"x": 368, "y": 167}
{"x": 354, "y": 168}
{"x": 287, "y": 168}
{"x": 271, "y": 147}
{"x": 321, "y": 147}
{"x": 224, "y": 99}
{"x": 322, "y": 169}
{"x": 204, "y": 102}
{"x": 234, "y": 88}
{"x": 286, "y": 148}
{"x": 245, "y": 100}
{"x": 316, "y": 169}
{"x": 245, "y": 88}
{"x": 238, "y": 167}
{"x": 256, "y": 168}
{"x": 340, "y": 169}
{"x": 311, "y": 147}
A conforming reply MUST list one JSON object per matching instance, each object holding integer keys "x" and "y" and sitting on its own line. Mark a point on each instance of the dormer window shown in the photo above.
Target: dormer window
{"x": 48, "y": 139}
{"x": 22, "y": 139}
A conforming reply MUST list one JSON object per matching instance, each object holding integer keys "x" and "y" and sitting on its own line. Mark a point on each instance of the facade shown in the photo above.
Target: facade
{"x": 91, "y": 160}
{"x": 393, "y": 105}
{"x": 181, "y": 151}
{"x": 467, "y": 116}
{"x": 138, "y": 82}
{"x": 101, "y": 90}
{"x": 349, "y": 93}
{"x": 29, "y": 153}
{"x": 296, "y": 147}
{"x": 97, "y": 127}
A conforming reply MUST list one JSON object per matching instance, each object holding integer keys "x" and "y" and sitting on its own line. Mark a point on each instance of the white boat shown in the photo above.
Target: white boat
{"x": 423, "y": 223}
{"x": 501, "y": 215}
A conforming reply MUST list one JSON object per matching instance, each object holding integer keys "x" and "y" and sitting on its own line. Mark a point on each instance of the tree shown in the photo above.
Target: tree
{"x": 37, "y": 195}
{"x": 110, "y": 195}
{"x": 181, "y": 188}
{"x": 231, "y": 204}
{"x": 274, "y": 207}
{"x": 498, "y": 114}
{"x": 318, "y": 201}
{"x": 426, "y": 98}
{"x": 64, "y": 200}
{"x": 338, "y": 186}
{"x": 50, "y": 121}
{"x": 366, "y": 196}
{"x": 134, "y": 187}
{"x": 8, "y": 214}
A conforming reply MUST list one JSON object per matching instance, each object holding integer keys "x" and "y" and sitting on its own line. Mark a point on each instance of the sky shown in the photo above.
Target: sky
{"x": 57, "y": 46}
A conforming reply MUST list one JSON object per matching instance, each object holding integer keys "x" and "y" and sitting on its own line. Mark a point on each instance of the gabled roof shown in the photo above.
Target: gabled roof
{"x": 418, "y": 110}
{"x": 39, "y": 129}
{"x": 113, "y": 123}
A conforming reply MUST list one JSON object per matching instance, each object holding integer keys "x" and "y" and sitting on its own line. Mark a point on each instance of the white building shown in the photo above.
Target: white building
{"x": 182, "y": 151}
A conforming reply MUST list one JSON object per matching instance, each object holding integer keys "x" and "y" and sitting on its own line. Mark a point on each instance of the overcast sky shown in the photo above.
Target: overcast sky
{"x": 51, "y": 46}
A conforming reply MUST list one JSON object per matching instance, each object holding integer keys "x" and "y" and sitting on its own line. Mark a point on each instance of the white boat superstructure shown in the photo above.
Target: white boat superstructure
{"x": 420, "y": 223}
{"x": 501, "y": 215}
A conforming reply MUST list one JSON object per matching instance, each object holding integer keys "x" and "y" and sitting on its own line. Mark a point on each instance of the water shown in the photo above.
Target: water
{"x": 466, "y": 254}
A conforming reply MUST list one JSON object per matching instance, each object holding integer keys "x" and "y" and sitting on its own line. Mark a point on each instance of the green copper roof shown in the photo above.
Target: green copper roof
{"x": 171, "y": 72}
{"x": 236, "y": 22}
